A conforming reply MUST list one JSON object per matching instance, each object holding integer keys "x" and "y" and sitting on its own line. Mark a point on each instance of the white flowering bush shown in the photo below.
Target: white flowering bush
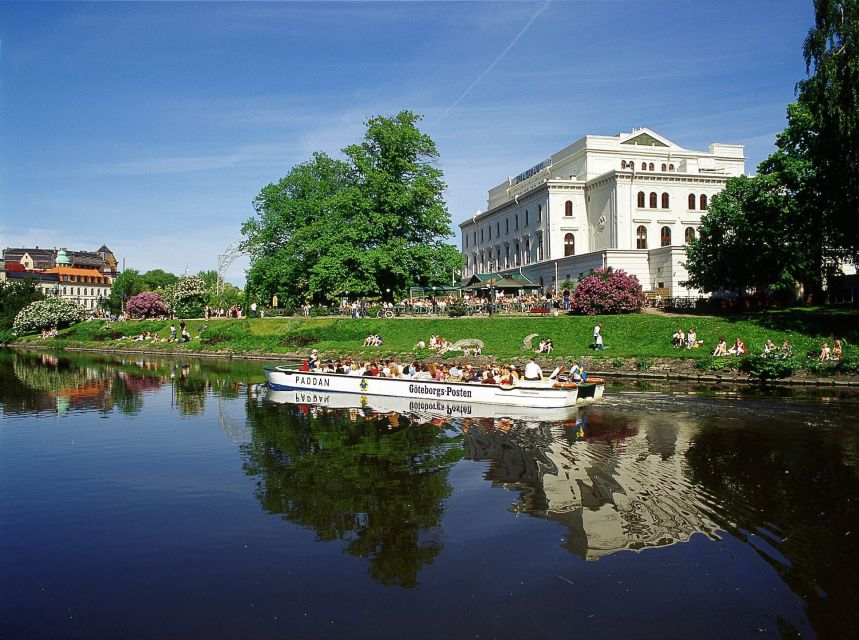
{"x": 186, "y": 297}
{"x": 47, "y": 313}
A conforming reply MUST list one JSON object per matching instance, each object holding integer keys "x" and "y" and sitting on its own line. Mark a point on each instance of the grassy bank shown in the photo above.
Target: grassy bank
{"x": 641, "y": 336}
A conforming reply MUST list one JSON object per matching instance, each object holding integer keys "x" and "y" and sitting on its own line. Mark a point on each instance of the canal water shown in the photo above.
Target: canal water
{"x": 146, "y": 497}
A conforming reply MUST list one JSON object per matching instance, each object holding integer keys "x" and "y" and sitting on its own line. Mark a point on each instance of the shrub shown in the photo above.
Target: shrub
{"x": 642, "y": 364}
{"x": 186, "y": 297}
{"x": 146, "y": 305}
{"x": 607, "y": 291}
{"x": 299, "y": 340}
{"x": 47, "y": 313}
{"x": 767, "y": 367}
{"x": 456, "y": 310}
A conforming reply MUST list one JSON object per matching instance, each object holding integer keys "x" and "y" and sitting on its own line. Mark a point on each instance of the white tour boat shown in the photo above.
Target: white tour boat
{"x": 428, "y": 408}
{"x": 540, "y": 394}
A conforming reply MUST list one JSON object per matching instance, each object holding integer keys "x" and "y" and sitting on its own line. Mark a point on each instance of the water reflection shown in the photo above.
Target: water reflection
{"x": 376, "y": 481}
{"x": 775, "y": 473}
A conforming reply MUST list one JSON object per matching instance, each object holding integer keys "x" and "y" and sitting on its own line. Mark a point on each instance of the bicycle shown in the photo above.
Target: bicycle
{"x": 385, "y": 313}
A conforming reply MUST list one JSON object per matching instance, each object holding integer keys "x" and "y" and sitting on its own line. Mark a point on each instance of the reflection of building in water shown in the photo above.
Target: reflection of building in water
{"x": 617, "y": 485}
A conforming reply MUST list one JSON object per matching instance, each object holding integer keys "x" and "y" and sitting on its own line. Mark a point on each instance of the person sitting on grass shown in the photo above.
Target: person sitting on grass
{"x": 677, "y": 339}
{"x": 825, "y": 353}
{"x": 837, "y": 351}
{"x": 739, "y": 348}
{"x": 769, "y": 347}
{"x": 692, "y": 339}
{"x": 721, "y": 348}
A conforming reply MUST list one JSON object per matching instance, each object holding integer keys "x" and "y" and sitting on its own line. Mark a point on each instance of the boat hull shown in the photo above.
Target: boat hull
{"x": 433, "y": 408}
{"x": 282, "y": 378}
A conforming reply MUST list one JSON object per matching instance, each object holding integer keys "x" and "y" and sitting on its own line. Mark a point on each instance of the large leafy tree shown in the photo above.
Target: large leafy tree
{"x": 126, "y": 285}
{"x": 765, "y": 232}
{"x": 158, "y": 279}
{"x": 368, "y": 225}
{"x": 743, "y": 240}
{"x": 14, "y": 296}
{"x": 831, "y": 94}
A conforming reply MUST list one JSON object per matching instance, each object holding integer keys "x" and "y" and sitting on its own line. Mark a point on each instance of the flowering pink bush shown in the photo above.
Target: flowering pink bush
{"x": 146, "y": 305}
{"x": 607, "y": 291}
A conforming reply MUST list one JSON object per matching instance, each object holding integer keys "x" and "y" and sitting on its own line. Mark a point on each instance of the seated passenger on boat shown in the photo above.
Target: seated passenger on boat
{"x": 533, "y": 371}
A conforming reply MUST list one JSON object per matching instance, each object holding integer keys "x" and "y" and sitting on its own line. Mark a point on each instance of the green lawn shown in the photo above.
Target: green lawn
{"x": 627, "y": 336}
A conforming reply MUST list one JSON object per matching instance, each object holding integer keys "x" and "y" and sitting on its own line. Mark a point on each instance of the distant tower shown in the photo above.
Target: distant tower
{"x": 63, "y": 258}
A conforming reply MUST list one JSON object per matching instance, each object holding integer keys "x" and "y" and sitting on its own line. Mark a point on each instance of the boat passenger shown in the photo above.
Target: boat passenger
{"x": 304, "y": 366}
{"x": 422, "y": 373}
{"x": 533, "y": 371}
{"x": 488, "y": 378}
{"x": 514, "y": 373}
{"x": 455, "y": 373}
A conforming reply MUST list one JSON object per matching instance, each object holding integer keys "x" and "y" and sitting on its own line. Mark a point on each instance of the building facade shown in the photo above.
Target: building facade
{"x": 81, "y": 276}
{"x": 630, "y": 201}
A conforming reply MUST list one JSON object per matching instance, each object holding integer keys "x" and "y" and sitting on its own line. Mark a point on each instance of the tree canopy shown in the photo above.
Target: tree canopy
{"x": 794, "y": 221}
{"x": 831, "y": 95}
{"x": 368, "y": 225}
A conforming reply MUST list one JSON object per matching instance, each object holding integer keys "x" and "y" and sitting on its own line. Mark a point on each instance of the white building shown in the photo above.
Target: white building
{"x": 629, "y": 201}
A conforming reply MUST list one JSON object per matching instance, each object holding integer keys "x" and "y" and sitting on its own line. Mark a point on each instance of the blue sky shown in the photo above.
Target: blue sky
{"x": 150, "y": 127}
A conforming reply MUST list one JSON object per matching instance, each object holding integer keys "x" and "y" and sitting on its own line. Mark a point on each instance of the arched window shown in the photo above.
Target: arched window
{"x": 516, "y": 221}
{"x": 506, "y": 225}
{"x": 506, "y": 256}
{"x": 497, "y": 229}
{"x": 690, "y": 234}
{"x": 665, "y": 237}
{"x": 665, "y": 202}
{"x": 527, "y": 250}
{"x": 644, "y": 166}
{"x": 481, "y": 235}
{"x": 490, "y": 232}
{"x": 526, "y": 217}
{"x": 663, "y": 166}
{"x": 691, "y": 202}
{"x": 650, "y": 168}
{"x": 539, "y": 212}
{"x": 540, "y": 247}
{"x": 568, "y": 208}
{"x": 641, "y": 199}
{"x": 671, "y": 167}
{"x": 703, "y": 202}
{"x": 518, "y": 255}
{"x": 466, "y": 240}
{"x": 641, "y": 237}
{"x": 652, "y": 199}
{"x": 569, "y": 245}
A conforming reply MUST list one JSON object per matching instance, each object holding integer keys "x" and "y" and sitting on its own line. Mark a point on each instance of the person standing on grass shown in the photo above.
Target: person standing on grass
{"x": 598, "y": 340}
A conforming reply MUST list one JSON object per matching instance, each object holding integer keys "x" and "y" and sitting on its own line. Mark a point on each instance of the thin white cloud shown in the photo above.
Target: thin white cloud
{"x": 492, "y": 65}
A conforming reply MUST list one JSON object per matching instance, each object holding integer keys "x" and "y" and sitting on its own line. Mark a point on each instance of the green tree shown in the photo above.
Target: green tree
{"x": 402, "y": 214}
{"x": 372, "y": 223}
{"x": 127, "y": 284}
{"x": 14, "y": 296}
{"x": 831, "y": 94}
{"x": 742, "y": 243}
{"x": 210, "y": 278}
{"x": 158, "y": 279}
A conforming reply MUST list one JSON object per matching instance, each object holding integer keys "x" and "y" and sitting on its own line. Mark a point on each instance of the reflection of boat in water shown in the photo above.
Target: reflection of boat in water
{"x": 418, "y": 406}
{"x": 538, "y": 394}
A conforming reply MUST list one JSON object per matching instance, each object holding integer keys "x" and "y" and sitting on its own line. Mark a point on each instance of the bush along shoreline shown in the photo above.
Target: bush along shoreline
{"x": 637, "y": 345}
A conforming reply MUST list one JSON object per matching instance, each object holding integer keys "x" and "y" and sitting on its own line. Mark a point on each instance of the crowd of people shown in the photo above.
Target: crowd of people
{"x": 502, "y": 374}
